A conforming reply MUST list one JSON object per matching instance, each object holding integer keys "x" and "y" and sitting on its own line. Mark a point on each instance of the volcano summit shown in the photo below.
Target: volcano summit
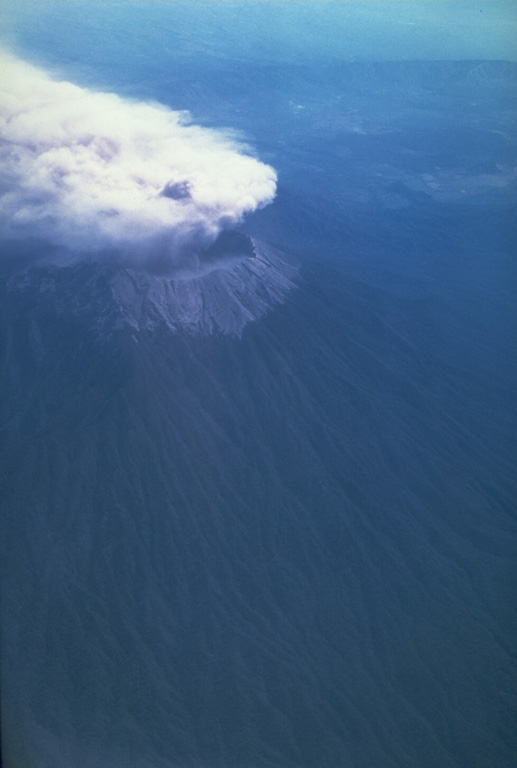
{"x": 234, "y": 282}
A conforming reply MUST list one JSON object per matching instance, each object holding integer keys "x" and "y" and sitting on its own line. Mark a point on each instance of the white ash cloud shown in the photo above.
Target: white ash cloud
{"x": 91, "y": 172}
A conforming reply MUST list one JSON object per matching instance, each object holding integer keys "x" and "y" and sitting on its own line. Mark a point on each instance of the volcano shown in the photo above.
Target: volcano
{"x": 218, "y": 290}
{"x": 258, "y": 498}
{"x": 228, "y": 543}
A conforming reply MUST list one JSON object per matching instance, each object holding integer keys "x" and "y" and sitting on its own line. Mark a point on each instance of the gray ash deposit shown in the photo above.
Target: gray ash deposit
{"x": 234, "y": 282}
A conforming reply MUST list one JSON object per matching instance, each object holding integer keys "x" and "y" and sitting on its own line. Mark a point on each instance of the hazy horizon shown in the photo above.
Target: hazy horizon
{"x": 272, "y": 30}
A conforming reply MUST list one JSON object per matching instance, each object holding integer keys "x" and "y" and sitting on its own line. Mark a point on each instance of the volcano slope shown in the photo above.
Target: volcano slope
{"x": 284, "y": 545}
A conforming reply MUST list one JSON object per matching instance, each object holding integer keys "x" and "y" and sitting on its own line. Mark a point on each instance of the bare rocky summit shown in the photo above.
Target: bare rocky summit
{"x": 221, "y": 299}
{"x": 232, "y": 284}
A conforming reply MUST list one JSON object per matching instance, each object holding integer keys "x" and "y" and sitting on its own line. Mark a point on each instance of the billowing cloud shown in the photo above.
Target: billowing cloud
{"x": 91, "y": 172}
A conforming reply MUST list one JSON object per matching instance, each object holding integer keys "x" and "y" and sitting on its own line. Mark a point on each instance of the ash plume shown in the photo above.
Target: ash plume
{"x": 93, "y": 173}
